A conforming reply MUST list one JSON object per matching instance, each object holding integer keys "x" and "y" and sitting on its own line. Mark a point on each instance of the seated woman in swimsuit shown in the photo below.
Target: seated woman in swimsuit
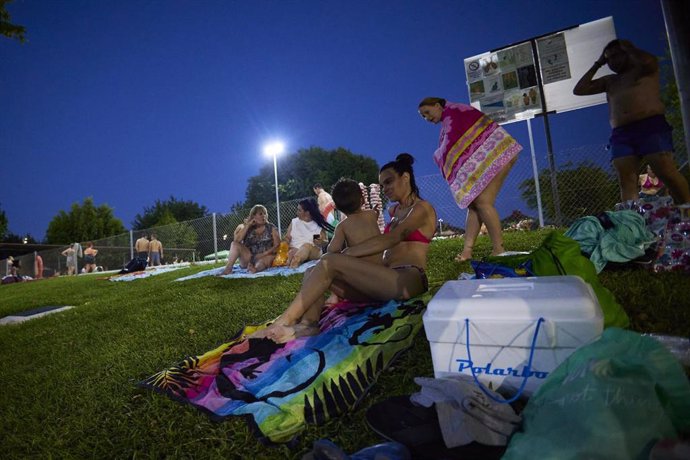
{"x": 348, "y": 275}
{"x": 255, "y": 242}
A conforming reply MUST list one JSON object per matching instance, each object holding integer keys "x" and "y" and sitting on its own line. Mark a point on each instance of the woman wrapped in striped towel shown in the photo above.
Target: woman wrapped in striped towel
{"x": 474, "y": 155}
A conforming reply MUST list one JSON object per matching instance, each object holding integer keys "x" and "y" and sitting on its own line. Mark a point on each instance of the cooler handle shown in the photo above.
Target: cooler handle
{"x": 505, "y": 287}
{"x": 527, "y": 372}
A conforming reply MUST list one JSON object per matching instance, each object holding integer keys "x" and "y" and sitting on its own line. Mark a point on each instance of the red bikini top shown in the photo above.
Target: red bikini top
{"x": 416, "y": 236}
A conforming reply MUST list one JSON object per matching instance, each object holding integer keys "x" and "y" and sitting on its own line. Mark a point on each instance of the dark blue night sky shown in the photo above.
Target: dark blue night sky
{"x": 133, "y": 101}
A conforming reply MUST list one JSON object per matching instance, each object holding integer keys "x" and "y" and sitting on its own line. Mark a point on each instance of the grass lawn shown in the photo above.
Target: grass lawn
{"x": 68, "y": 380}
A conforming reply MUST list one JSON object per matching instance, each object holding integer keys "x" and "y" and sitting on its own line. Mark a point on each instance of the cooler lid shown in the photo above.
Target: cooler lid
{"x": 558, "y": 297}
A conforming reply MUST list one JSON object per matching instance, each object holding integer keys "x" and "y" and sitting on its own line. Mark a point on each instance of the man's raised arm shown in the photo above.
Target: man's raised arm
{"x": 586, "y": 85}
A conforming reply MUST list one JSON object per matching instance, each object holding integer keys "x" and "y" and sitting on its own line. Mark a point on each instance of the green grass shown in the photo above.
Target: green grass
{"x": 68, "y": 380}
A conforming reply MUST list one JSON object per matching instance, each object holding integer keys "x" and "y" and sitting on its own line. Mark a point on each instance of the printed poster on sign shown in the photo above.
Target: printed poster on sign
{"x": 513, "y": 101}
{"x": 527, "y": 76}
{"x": 489, "y": 65}
{"x": 510, "y": 80}
{"x": 473, "y": 69}
{"x": 514, "y": 57}
{"x": 493, "y": 105}
{"x": 477, "y": 90}
{"x": 494, "y": 84}
{"x": 530, "y": 98}
{"x": 553, "y": 58}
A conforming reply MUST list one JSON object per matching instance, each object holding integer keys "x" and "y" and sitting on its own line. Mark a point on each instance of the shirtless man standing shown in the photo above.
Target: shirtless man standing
{"x": 640, "y": 131}
{"x": 141, "y": 248}
{"x": 155, "y": 251}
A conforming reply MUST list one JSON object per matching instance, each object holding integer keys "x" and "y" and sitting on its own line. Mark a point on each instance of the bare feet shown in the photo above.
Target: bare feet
{"x": 332, "y": 300}
{"x": 280, "y": 333}
{"x": 464, "y": 256}
{"x": 295, "y": 262}
{"x": 498, "y": 251}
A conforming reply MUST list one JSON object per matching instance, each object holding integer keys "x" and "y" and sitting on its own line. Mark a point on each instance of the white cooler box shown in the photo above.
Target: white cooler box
{"x": 503, "y": 316}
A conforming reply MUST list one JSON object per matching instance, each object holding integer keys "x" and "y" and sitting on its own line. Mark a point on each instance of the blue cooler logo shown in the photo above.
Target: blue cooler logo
{"x": 467, "y": 365}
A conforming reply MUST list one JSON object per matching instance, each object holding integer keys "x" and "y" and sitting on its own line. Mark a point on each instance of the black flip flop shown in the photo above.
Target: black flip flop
{"x": 397, "y": 419}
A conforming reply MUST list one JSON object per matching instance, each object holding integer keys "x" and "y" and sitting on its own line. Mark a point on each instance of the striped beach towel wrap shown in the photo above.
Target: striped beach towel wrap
{"x": 472, "y": 150}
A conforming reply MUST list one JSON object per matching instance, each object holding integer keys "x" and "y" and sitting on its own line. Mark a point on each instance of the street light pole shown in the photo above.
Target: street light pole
{"x": 276, "y": 149}
{"x": 275, "y": 174}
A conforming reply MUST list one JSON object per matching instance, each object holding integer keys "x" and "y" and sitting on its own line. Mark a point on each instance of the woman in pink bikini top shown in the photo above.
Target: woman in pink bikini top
{"x": 404, "y": 243}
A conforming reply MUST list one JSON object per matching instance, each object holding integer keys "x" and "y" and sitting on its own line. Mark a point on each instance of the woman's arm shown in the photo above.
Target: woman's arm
{"x": 288, "y": 234}
{"x": 322, "y": 237}
{"x": 418, "y": 216}
{"x": 240, "y": 233}
{"x": 276, "y": 241}
{"x": 274, "y": 248}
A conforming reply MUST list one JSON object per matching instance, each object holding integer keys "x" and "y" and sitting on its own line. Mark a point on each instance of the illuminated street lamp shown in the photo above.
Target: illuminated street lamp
{"x": 275, "y": 149}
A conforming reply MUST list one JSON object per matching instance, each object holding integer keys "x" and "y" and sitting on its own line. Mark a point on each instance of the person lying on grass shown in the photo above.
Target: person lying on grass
{"x": 350, "y": 275}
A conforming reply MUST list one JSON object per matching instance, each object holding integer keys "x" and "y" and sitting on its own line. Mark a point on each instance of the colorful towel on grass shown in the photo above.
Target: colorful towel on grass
{"x": 243, "y": 273}
{"x": 146, "y": 273}
{"x": 280, "y": 388}
{"x": 472, "y": 150}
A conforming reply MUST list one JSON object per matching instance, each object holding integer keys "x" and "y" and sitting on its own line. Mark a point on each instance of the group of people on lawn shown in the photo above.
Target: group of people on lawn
{"x": 474, "y": 155}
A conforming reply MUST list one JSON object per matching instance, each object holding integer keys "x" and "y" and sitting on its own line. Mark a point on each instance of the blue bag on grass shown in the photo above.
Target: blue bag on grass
{"x": 489, "y": 270}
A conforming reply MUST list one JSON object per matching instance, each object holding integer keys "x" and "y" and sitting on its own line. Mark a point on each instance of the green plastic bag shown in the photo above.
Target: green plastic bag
{"x": 611, "y": 399}
{"x": 560, "y": 255}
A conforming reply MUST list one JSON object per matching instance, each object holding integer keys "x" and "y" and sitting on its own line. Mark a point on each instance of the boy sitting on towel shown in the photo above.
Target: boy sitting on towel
{"x": 360, "y": 225}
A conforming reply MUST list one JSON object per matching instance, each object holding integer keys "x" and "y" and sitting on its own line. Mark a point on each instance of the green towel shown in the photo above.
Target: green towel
{"x": 560, "y": 255}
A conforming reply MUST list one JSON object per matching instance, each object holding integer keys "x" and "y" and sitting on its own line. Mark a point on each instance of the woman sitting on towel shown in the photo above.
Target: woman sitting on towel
{"x": 401, "y": 276}
{"x": 306, "y": 233}
{"x": 475, "y": 155}
{"x": 255, "y": 242}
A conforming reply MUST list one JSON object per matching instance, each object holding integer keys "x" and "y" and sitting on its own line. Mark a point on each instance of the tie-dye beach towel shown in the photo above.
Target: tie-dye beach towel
{"x": 279, "y": 388}
{"x": 472, "y": 151}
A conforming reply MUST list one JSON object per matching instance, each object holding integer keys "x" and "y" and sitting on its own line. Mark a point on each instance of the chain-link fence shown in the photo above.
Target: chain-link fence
{"x": 586, "y": 185}
{"x": 189, "y": 241}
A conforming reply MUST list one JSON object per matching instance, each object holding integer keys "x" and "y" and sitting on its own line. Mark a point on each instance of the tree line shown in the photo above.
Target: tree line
{"x": 88, "y": 221}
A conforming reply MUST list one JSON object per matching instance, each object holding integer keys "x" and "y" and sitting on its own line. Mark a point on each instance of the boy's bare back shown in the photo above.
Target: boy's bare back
{"x": 357, "y": 228}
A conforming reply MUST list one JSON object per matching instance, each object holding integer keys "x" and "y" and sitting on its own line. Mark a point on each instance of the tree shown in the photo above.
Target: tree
{"x": 671, "y": 98}
{"x": 297, "y": 174}
{"x": 585, "y": 189}
{"x": 179, "y": 210}
{"x": 12, "y": 238}
{"x": 83, "y": 223}
{"x": 178, "y": 238}
{"x": 4, "y": 224}
{"x": 8, "y": 29}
